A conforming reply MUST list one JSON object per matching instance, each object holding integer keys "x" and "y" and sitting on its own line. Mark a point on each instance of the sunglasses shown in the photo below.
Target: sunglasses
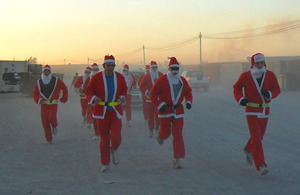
{"x": 174, "y": 68}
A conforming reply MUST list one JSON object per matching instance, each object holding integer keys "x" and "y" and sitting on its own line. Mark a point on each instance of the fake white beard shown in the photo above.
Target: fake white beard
{"x": 257, "y": 73}
{"x": 94, "y": 72}
{"x": 128, "y": 79}
{"x": 46, "y": 79}
{"x": 154, "y": 74}
{"x": 84, "y": 76}
{"x": 173, "y": 79}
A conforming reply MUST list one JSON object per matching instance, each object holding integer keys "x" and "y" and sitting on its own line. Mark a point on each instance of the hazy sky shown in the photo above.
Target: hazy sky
{"x": 54, "y": 30}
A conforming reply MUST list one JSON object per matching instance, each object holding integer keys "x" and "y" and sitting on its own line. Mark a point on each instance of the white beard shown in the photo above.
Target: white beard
{"x": 173, "y": 79}
{"x": 154, "y": 74}
{"x": 257, "y": 73}
{"x": 93, "y": 73}
{"x": 46, "y": 79}
{"x": 84, "y": 76}
{"x": 128, "y": 80}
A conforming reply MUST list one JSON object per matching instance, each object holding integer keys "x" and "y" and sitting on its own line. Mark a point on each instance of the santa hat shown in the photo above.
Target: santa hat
{"x": 108, "y": 58}
{"x": 147, "y": 67}
{"x": 46, "y": 67}
{"x": 88, "y": 69}
{"x": 95, "y": 66}
{"x": 173, "y": 62}
{"x": 153, "y": 64}
{"x": 126, "y": 67}
{"x": 259, "y": 57}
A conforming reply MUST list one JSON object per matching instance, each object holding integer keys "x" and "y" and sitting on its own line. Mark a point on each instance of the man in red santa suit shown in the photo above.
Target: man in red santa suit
{"x": 79, "y": 84}
{"x": 146, "y": 86}
{"x": 90, "y": 108}
{"x": 47, "y": 94}
{"x": 145, "y": 111}
{"x": 255, "y": 89}
{"x": 167, "y": 95}
{"x": 107, "y": 91}
{"x": 131, "y": 84}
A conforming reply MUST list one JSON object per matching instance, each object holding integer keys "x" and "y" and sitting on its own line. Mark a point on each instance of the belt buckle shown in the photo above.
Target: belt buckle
{"x": 106, "y": 104}
{"x": 174, "y": 110}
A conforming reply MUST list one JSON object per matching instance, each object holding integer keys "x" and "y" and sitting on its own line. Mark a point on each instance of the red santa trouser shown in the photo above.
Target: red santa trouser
{"x": 128, "y": 107}
{"x": 257, "y": 127}
{"x": 110, "y": 131}
{"x": 152, "y": 114}
{"x": 84, "y": 104}
{"x": 145, "y": 111}
{"x": 90, "y": 119}
{"x": 49, "y": 117}
{"x": 175, "y": 125}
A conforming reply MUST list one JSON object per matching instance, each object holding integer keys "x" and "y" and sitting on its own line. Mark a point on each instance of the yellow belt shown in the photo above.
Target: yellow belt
{"x": 255, "y": 105}
{"x": 50, "y": 101}
{"x": 109, "y": 103}
{"x": 82, "y": 94}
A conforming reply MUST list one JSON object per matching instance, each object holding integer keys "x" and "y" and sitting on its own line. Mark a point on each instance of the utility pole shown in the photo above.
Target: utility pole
{"x": 200, "y": 37}
{"x": 144, "y": 55}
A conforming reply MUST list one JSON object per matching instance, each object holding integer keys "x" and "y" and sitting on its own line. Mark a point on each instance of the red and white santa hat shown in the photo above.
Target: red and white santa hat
{"x": 147, "y": 67}
{"x": 88, "y": 69}
{"x": 153, "y": 64}
{"x": 259, "y": 57}
{"x": 126, "y": 67}
{"x": 95, "y": 66}
{"x": 47, "y": 67}
{"x": 173, "y": 62}
{"x": 108, "y": 58}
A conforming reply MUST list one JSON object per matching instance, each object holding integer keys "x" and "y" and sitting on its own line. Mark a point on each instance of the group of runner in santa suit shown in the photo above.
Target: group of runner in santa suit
{"x": 104, "y": 95}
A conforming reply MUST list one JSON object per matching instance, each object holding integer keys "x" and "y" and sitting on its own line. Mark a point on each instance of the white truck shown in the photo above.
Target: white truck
{"x": 13, "y": 72}
{"x": 196, "y": 79}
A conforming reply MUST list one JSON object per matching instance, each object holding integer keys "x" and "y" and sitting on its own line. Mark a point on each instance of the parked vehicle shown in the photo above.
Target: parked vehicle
{"x": 136, "y": 94}
{"x": 196, "y": 79}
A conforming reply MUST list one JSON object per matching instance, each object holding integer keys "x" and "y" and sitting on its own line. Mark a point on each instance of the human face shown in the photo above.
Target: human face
{"x": 174, "y": 70}
{"x": 259, "y": 65}
{"x": 125, "y": 72}
{"x": 87, "y": 72}
{"x": 46, "y": 72}
{"x": 109, "y": 68}
{"x": 154, "y": 68}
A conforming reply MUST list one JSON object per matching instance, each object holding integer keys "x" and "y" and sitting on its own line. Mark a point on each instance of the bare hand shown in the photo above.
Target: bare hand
{"x": 97, "y": 100}
{"x": 122, "y": 100}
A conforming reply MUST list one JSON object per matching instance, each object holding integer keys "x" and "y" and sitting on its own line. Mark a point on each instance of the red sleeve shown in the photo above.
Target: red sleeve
{"x": 87, "y": 80}
{"x": 188, "y": 91}
{"x": 155, "y": 92}
{"x": 78, "y": 82}
{"x": 238, "y": 88}
{"x": 36, "y": 93}
{"x": 64, "y": 89}
{"x": 143, "y": 85}
{"x": 90, "y": 88}
{"x": 275, "y": 91}
{"x": 124, "y": 86}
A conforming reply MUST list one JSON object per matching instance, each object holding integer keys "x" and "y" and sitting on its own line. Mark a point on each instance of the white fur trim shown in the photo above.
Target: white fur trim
{"x": 161, "y": 105}
{"x": 189, "y": 102}
{"x": 92, "y": 101}
{"x": 39, "y": 103}
{"x": 174, "y": 65}
{"x": 146, "y": 92}
{"x": 109, "y": 60}
{"x": 154, "y": 65}
{"x": 241, "y": 99}
{"x": 270, "y": 94}
{"x": 259, "y": 58}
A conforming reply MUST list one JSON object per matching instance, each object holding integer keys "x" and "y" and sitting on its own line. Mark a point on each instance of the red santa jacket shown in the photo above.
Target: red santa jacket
{"x": 162, "y": 94}
{"x": 147, "y": 84}
{"x": 59, "y": 85}
{"x": 98, "y": 87}
{"x": 79, "y": 83}
{"x": 252, "y": 91}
